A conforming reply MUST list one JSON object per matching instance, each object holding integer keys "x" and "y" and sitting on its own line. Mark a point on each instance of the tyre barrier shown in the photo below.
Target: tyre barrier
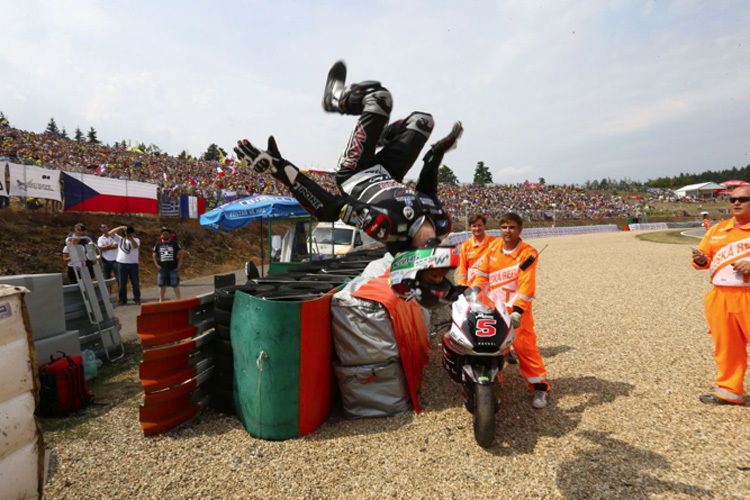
{"x": 176, "y": 360}
{"x": 224, "y": 297}
{"x": 221, "y": 383}
{"x": 282, "y": 359}
{"x": 224, "y": 280}
{"x": 308, "y": 286}
{"x": 22, "y": 457}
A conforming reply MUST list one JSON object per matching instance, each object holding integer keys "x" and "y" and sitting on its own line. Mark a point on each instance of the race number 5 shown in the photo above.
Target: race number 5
{"x": 486, "y": 327}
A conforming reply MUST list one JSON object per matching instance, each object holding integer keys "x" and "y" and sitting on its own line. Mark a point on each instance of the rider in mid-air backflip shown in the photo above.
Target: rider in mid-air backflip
{"x": 373, "y": 197}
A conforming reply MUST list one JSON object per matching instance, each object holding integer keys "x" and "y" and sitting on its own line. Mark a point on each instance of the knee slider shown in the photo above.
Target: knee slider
{"x": 420, "y": 122}
{"x": 368, "y": 97}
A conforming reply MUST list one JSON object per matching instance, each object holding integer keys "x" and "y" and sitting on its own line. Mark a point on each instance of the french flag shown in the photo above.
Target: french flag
{"x": 192, "y": 206}
{"x": 194, "y": 181}
{"x": 101, "y": 168}
{"x": 90, "y": 193}
{"x": 166, "y": 177}
{"x": 219, "y": 171}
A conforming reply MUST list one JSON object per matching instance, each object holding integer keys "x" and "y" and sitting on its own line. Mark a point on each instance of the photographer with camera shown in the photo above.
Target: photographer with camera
{"x": 127, "y": 262}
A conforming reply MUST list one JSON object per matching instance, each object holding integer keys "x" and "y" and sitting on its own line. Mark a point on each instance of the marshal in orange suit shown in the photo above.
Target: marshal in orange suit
{"x": 513, "y": 288}
{"x": 725, "y": 251}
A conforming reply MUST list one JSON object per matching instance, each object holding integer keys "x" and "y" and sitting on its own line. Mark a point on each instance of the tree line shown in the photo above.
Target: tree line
{"x": 483, "y": 176}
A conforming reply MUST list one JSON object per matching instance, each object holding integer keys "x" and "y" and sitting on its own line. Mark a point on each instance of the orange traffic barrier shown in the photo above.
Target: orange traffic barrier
{"x": 174, "y": 365}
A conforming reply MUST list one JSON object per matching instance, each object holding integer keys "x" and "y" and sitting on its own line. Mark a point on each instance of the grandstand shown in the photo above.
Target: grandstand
{"x": 217, "y": 182}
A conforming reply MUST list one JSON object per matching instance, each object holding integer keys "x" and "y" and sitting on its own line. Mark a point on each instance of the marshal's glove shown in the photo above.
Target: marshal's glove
{"x": 515, "y": 319}
{"x": 261, "y": 161}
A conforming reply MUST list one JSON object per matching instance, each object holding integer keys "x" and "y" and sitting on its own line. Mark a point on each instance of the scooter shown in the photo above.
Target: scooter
{"x": 473, "y": 356}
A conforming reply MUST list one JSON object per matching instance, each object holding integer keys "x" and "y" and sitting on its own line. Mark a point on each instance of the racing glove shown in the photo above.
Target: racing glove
{"x": 269, "y": 161}
{"x": 515, "y": 319}
{"x": 261, "y": 161}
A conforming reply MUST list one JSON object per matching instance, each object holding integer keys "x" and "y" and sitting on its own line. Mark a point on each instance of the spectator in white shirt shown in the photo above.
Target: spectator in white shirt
{"x": 127, "y": 262}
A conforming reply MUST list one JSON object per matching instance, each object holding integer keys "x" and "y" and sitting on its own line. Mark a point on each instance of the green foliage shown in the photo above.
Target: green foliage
{"x": 92, "y": 136}
{"x": 79, "y": 135}
{"x": 183, "y": 155}
{"x": 542, "y": 181}
{"x": 212, "y": 153}
{"x": 64, "y": 133}
{"x": 446, "y": 176}
{"x": 52, "y": 128}
{"x": 708, "y": 176}
{"x": 482, "y": 174}
{"x": 3, "y": 120}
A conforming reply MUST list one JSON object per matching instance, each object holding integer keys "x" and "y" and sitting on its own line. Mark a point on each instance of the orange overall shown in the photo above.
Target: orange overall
{"x": 512, "y": 288}
{"x": 728, "y": 305}
{"x": 471, "y": 253}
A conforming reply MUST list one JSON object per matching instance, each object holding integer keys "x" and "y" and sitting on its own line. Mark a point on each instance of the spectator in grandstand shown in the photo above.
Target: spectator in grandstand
{"x": 127, "y": 262}
{"x": 725, "y": 251}
{"x": 513, "y": 288}
{"x": 108, "y": 248}
{"x": 72, "y": 240}
{"x": 167, "y": 256}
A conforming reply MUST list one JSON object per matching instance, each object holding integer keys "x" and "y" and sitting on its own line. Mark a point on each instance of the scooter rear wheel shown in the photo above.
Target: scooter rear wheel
{"x": 484, "y": 415}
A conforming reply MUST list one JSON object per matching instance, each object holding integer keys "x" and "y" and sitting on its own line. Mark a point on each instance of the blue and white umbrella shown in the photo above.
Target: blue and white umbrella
{"x": 259, "y": 207}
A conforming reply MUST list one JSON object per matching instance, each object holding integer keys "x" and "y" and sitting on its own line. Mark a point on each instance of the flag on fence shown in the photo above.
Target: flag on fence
{"x": 194, "y": 181}
{"x": 192, "y": 206}
{"x": 219, "y": 171}
{"x": 89, "y": 193}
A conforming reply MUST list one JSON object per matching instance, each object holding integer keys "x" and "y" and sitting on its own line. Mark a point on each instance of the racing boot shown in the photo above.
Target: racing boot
{"x": 434, "y": 156}
{"x": 350, "y": 100}
{"x": 334, "y": 87}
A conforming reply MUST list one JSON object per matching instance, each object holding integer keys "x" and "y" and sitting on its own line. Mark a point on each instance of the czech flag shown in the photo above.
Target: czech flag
{"x": 90, "y": 193}
{"x": 194, "y": 181}
{"x": 101, "y": 168}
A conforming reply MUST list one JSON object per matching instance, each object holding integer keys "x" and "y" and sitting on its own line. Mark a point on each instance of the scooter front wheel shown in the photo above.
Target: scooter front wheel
{"x": 484, "y": 415}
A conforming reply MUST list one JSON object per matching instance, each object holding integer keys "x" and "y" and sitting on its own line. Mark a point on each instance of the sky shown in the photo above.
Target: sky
{"x": 568, "y": 91}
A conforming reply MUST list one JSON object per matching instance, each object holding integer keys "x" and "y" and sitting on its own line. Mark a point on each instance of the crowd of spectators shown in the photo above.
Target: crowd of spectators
{"x": 178, "y": 176}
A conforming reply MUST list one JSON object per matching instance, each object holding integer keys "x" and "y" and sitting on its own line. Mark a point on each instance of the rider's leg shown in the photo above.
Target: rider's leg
{"x": 372, "y": 103}
{"x": 402, "y": 142}
{"x": 433, "y": 159}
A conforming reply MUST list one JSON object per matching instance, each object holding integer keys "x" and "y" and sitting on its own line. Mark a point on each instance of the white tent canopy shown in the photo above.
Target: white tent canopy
{"x": 698, "y": 189}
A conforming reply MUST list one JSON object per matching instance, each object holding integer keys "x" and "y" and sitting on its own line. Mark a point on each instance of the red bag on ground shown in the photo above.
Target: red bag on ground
{"x": 63, "y": 386}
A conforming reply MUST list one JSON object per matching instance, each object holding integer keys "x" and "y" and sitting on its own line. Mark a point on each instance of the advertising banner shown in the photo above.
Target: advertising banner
{"x": 29, "y": 181}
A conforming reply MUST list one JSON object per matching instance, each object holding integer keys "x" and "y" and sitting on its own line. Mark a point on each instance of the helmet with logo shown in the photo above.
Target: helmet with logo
{"x": 410, "y": 282}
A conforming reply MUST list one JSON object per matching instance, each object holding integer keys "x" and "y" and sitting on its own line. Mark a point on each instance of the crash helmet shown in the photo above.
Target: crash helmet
{"x": 406, "y": 278}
